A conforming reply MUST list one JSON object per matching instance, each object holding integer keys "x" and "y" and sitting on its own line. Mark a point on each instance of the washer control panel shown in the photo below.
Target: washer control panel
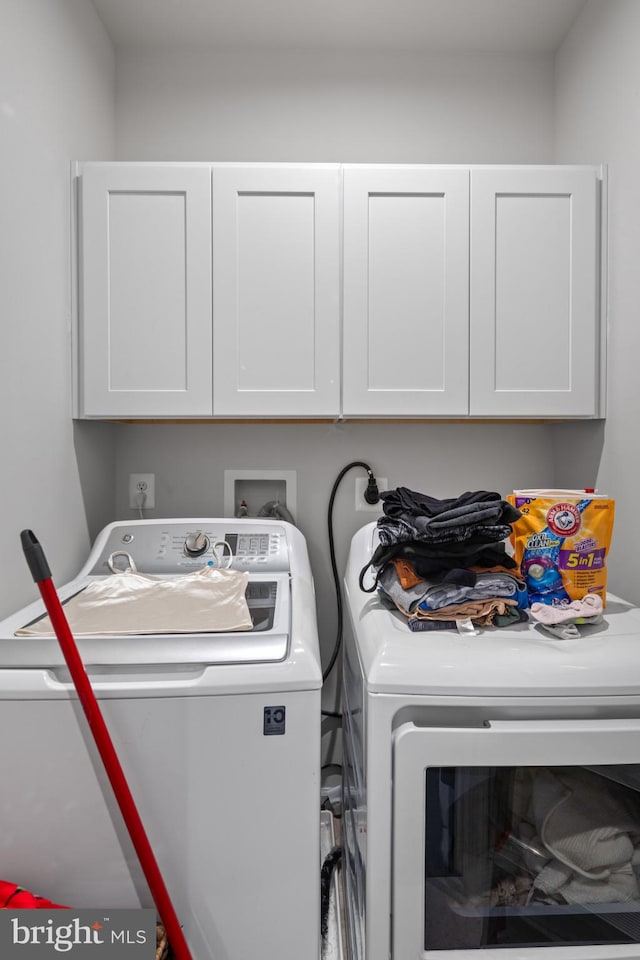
{"x": 175, "y": 548}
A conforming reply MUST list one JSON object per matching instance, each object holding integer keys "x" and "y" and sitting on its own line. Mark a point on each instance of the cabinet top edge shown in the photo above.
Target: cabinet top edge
{"x": 79, "y": 165}
{"x": 208, "y": 164}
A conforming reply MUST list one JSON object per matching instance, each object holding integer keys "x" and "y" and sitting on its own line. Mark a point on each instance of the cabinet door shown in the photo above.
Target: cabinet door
{"x": 534, "y": 292}
{"x": 406, "y": 289}
{"x": 145, "y": 291}
{"x": 276, "y": 305}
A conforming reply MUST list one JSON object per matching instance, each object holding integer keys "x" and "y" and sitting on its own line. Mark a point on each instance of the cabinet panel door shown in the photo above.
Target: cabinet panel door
{"x": 406, "y": 288}
{"x": 145, "y": 291}
{"x": 534, "y": 292}
{"x": 276, "y": 305}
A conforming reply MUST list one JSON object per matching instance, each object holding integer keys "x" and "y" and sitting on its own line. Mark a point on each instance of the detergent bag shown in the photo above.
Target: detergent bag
{"x": 561, "y": 543}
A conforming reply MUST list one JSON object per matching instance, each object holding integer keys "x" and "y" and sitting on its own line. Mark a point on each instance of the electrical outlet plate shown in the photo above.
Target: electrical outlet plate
{"x": 142, "y": 483}
{"x": 361, "y": 486}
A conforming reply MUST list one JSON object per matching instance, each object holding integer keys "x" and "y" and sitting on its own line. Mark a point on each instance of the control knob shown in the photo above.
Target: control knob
{"x": 196, "y": 544}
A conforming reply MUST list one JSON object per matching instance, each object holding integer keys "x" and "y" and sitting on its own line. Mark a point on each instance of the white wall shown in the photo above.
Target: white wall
{"x": 597, "y": 98}
{"x": 311, "y": 105}
{"x": 331, "y": 106}
{"x": 57, "y": 103}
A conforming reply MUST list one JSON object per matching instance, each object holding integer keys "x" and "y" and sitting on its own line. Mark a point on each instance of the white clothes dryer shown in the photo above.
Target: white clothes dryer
{"x": 219, "y": 738}
{"x": 491, "y": 786}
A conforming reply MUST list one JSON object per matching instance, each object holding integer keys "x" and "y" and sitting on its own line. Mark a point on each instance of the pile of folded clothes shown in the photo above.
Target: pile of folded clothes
{"x": 443, "y": 563}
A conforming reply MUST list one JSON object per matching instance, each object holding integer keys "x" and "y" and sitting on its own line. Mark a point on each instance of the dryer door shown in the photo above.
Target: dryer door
{"x": 519, "y": 834}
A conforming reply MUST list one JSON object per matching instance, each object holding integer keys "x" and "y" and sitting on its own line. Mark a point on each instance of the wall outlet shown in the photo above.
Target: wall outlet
{"x": 361, "y": 486}
{"x": 142, "y": 483}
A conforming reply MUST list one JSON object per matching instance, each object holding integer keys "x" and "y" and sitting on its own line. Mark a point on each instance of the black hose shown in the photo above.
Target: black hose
{"x": 331, "y": 861}
{"x": 332, "y": 553}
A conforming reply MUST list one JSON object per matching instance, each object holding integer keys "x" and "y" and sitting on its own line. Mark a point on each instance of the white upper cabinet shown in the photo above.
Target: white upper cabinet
{"x": 501, "y": 321}
{"x": 406, "y": 291}
{"x": 214, "y": 290}
{"x": 534, "y": 314}
{"x": 276, "y": 290}
{"x": 144, "y": 291}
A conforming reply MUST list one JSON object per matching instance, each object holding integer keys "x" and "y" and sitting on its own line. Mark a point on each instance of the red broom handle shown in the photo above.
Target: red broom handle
{"x": 39, "y": 567}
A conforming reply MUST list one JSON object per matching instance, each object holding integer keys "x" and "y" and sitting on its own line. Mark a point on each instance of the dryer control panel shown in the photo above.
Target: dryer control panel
{"x": 174, "y": 547}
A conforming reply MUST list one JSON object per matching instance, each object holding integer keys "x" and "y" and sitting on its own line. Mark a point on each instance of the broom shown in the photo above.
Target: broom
{"x": 34, "y": 555}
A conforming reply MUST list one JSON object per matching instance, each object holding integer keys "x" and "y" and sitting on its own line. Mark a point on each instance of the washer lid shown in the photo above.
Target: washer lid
{"x": 269, "y": 601}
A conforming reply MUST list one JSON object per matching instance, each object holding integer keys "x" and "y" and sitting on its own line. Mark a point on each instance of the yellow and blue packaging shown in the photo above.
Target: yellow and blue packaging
{"x": 561, "y": 543}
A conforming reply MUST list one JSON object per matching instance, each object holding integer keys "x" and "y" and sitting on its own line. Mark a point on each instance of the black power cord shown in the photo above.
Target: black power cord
{"x": 371, "y": 495}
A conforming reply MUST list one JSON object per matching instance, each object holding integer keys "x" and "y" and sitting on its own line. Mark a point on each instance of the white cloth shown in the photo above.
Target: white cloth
{"x": 129, "y": 603}
{"x": 591, "y": 835}
{"x": 557, "y": 878}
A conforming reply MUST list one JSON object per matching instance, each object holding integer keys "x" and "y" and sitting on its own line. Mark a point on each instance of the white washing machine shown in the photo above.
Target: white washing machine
{"x": 491, "y": 786}
{"x": 219, "y": 738}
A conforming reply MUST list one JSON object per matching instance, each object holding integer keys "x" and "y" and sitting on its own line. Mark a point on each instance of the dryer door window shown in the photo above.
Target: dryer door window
{"x": 520, "y": 856}
{"x": 516, "y": 834}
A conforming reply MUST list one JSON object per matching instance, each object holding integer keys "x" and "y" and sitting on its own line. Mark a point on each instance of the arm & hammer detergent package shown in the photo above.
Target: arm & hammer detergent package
{"x": 561, "y": 543}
